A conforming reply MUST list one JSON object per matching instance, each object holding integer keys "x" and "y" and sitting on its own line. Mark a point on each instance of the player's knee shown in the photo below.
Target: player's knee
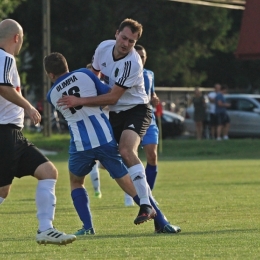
{"x": 126, "y": 153}
{"x": 46, "y": 170}
{"x": 4, "y": 191}
{"x": 152, "y": 158}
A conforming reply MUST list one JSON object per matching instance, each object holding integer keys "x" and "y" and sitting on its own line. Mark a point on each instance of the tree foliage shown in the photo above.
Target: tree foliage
{"x": 7, "y": 7}
{"x": 187, "y": 45}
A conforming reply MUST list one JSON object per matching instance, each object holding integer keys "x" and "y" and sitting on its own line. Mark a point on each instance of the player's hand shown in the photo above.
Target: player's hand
{"x": 34, "y": 115}
{"x": 155, "y": 100}
{"x": 68, "y": 101}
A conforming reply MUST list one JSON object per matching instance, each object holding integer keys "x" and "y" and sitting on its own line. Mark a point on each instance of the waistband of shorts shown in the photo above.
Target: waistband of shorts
{"x": 11, "y": 126}
{"x": 129, "y": 108}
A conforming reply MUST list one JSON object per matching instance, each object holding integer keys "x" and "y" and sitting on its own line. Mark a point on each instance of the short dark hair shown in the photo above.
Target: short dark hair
{"x": 139, "y": 47}
{"x": 55, "y": 63}
{"x": 133, "y": 25}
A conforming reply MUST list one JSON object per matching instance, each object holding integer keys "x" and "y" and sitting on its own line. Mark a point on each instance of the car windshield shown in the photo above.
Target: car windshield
{"x": 257, "y": 99}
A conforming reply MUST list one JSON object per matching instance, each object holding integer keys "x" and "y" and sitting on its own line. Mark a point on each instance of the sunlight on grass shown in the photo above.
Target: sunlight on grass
{"x": 214, "y": 200}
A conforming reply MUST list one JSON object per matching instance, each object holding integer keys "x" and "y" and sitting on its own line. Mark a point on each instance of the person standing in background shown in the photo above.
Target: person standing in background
{"x": 223, "y": 120}
{"x": 199, "y": 112}
{"x": 212, "y": 110}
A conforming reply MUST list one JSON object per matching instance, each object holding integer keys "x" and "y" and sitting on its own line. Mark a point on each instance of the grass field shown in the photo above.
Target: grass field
{"x": 209, "y": 188}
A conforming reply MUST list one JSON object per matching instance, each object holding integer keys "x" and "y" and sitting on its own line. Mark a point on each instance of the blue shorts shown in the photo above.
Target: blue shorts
{"x": 81, "y": 163}
{"x": 151, "y": 136}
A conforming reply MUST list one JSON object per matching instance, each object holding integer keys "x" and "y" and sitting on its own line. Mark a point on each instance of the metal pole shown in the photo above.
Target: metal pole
{"x": 46, "y": 80}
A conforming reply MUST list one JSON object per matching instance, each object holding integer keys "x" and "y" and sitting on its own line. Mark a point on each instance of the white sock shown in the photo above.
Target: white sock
{"x": 1, "y": 200}
{"x": 128, "y": 197}
{"x": 95, "y": 179}
{"x": 137, "y": 174}
{"x": 45, "y": 202}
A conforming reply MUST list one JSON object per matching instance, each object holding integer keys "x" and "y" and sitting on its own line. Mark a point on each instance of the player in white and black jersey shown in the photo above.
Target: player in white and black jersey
{"x": 19, "y": 157}
{"x": 130, "y": 113}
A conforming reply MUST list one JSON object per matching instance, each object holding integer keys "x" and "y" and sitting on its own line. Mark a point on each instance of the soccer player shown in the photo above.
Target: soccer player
{"x": 19, "y": 157}
{"x": 91, "y": 134}
{"x": 130, "y": 114}
{"x": 150, "y": 139}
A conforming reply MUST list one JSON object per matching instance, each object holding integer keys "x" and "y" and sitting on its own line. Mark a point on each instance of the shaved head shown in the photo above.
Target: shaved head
{"x": 11, "y": 36}
{"x": 8, "y": 28}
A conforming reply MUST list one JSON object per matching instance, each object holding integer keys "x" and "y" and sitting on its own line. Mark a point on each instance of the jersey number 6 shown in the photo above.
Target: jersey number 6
{"x": 74, "y": 91}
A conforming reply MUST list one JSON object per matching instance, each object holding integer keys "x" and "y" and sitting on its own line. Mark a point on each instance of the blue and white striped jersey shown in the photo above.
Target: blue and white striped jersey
{"x": 149, "y": 88}
{"x": 89, "y": 127}
{"x": 9, "y": 112}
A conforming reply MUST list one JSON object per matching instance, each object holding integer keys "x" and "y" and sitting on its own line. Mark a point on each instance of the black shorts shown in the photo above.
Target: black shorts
{"x": 213, "y": 120}
{"x": 18, "y": 157}
{"x": 137, "y": 119}
{"x": 222, "y": 118}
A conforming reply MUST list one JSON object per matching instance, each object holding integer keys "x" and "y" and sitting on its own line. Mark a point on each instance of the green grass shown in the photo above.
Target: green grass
{"x": 209, "y": 188}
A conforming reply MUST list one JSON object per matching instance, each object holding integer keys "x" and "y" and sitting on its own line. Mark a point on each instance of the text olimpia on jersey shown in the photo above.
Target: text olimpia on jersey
{"x": 9, "y": 112}
{"x": 89, "y": 127}
{"x": 126, "y": 72}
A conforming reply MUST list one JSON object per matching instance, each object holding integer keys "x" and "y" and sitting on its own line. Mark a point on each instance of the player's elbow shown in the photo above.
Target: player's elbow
{"x": 113, "y": 101}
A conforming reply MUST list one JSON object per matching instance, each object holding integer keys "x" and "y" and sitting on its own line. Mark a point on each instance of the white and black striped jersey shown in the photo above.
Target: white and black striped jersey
{"x": 89, "y": 127}
{"x": 126, "y": 72}
{"x": 9, "y": 112}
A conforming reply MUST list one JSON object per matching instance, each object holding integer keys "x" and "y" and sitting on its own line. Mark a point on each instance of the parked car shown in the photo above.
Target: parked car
{"x": 244, "y": 114}
{"x": 172, "y": 124}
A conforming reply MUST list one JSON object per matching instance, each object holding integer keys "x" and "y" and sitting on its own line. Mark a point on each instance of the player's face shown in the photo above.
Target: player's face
{"x": 125, "y": 42}
{"x": 143, "y": 56}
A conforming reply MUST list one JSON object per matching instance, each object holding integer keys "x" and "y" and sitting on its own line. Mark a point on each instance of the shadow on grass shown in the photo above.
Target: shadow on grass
{"x": 196, "y": 233}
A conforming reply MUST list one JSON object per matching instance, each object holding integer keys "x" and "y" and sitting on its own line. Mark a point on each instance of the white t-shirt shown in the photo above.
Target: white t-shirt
{"x": 126, "y": 72}
{"x": 9, "y": 112}
{"x": 212, "y": 106}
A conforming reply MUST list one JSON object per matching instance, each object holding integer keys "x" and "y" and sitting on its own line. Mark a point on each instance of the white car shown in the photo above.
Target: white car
{"x": 244, "y": 114}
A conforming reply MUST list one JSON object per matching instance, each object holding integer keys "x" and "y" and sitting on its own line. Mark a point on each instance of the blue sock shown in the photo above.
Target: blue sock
{"x": 81, "y": 204}
{"x": 160, "y": 218}
{"x": 151, "y": 173}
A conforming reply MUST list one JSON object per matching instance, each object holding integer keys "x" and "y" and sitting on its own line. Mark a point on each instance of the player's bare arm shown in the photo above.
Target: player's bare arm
{"x": 110, "y": 98}
{"x": 13, "y": 96}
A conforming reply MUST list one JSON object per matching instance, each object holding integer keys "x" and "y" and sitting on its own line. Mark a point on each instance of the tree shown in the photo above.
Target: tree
{"x": 187, "y": 45}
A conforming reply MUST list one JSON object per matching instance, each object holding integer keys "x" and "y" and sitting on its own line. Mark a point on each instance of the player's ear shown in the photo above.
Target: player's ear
{"x": 117, "y": 32}
{"x": 16, "y": 37}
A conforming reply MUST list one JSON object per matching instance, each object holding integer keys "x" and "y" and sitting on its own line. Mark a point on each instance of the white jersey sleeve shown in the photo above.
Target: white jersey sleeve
{"x": 9, "y": 112}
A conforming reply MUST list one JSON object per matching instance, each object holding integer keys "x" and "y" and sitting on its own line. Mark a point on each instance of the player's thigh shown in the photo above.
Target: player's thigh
{"x": 81, "y": 163}
{"x": 34, "y": 163}
{"x": 7, "y": 155}
{"x": 110, "y": 158}
{"x": 138, "y": 119}
{"x": 129, "y": 141}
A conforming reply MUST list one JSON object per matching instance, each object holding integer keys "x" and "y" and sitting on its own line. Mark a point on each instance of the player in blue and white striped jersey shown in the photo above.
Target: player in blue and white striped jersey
{"x": 91, "y": 134}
